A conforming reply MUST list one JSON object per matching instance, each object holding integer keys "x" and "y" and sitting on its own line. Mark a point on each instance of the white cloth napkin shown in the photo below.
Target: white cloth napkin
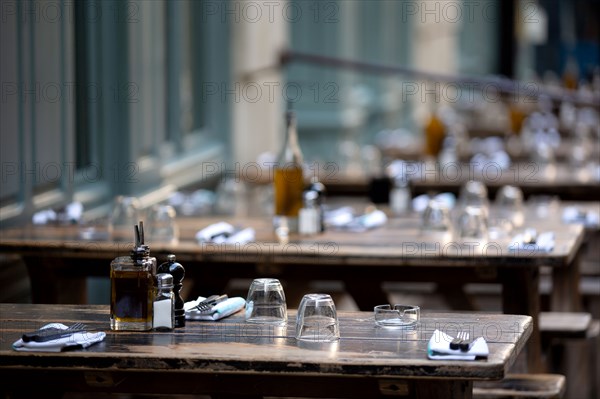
{"x": 367, "y": 221}
{"x": 71, "y": 214}
{"x": 339, "y": 217}
{"x": 44, "y": 216}
{"x": 243, "y": 236}
{"x": 343, "y": 218}
{"x": 497, "y": 159}
{"x": 219, "y": 311}
{"x": 76, "y": 340}
{"x": 225, "y": 233}
{"x": 572, "y": 214}
{"x": 439, "y": 348}
{"x": 543, "y": 243}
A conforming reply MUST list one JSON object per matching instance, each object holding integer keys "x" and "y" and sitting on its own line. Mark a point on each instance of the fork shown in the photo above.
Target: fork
{"x": 209, "y": 302}
{"x": 48, "y": 334}
{"x": 456, "y": 342}
{"x": 465, "y": 345}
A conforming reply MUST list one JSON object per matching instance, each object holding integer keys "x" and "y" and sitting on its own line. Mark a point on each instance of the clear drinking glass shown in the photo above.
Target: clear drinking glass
{"x": 436, "y": 217}
{"x": 124, "y": 216}
{"x": 265, "y": 302}
{"x": 544, "y": 206}
{"x": 473, "y": 193}
{"x": 317, "y": 320}
{"x": 232, "y": 197}
{"x": 509, "y": 204}
{"x": 473, "y": 223}
{"x": 499, "y": 228}
{"x": 162, "y": 226}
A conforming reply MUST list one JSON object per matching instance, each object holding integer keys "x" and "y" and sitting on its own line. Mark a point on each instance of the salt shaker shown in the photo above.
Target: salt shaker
{"x": 164, "y": 303}
{"x": 309, "y": 220}
{"x": 319, "y": 188}
{"x": 400, "y": 196}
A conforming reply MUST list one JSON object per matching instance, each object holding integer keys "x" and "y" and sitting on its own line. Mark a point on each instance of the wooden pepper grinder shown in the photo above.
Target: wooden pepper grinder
{"x": 176, "y": 270}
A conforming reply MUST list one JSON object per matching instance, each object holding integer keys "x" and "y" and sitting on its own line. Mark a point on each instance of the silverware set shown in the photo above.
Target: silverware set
{"x": 462, "y": 342}
{"x": 530, "y": 236}
{"x": 51, "y": 333}
{"x": 207, "y": 304}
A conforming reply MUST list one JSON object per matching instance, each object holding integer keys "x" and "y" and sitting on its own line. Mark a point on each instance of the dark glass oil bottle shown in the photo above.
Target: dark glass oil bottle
{"x": 132, "y": 288}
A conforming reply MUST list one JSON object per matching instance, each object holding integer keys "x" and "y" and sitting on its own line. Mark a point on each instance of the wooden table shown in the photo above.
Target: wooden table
{"x": 230, "y": 358}
{"x": 534, "y": 179}
{"x": 58, "y": 257}
{"x": 59, "y": 261}
{"x": 562, "y": 153}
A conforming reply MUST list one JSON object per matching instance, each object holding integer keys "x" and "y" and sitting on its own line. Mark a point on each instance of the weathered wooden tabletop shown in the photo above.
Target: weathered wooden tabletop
{"x": 576, "y": 184}
{"x": 399, "y": 243}
{"x": 231, "y": 356}
{"x": 532, "y": 177}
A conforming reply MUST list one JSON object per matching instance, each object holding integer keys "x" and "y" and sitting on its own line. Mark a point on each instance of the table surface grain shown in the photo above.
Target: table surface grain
{"x": 399, "y": 243}
{"x": 233, "y": 346}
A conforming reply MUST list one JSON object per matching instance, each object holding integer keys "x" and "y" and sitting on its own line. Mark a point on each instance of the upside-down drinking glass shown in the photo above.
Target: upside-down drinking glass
{"x": 265, "y": 302}
{"x": 317, "y": 320}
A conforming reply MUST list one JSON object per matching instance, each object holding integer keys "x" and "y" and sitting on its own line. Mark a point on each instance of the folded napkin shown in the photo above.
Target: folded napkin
{"x": 498, "y": 159}
{"x": 367, "y": 221}
{"x": 44, "y": 216}
{"x": 572, "y": 214}
{"x": 219, "y": 311}
{"x": 344, "y": 218}
{"x": 339, "y": 217}
{"x": 242, "y": 236}
{"x": 71, "y": 213}
{"x": 543, "y": 243}
{"x": 225, "y": 233}
{"x": 439, "y": 348}
{"x": 76, "y": 340}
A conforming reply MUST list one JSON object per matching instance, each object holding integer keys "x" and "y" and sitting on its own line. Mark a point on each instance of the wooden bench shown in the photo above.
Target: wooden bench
{"x": 553, "y": 326}
{"x": 589, "y": 286}
{"x": 568, "y": 325}
{"x": 546, "y": 386}
{"x": 569, "y": 340}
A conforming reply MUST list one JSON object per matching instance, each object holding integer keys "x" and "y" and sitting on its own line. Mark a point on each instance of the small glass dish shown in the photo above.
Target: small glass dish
{"x": 398, "y": 316}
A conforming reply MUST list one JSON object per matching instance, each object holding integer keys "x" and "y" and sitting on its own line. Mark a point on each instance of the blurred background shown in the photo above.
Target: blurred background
{"x": 147, "y": 97}
{"x": 183, "y": 102}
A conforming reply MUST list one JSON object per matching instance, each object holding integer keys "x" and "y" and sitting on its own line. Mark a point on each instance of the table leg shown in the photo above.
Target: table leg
{"x": 520, "y": 295}
{"x": 565, "y": 295}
